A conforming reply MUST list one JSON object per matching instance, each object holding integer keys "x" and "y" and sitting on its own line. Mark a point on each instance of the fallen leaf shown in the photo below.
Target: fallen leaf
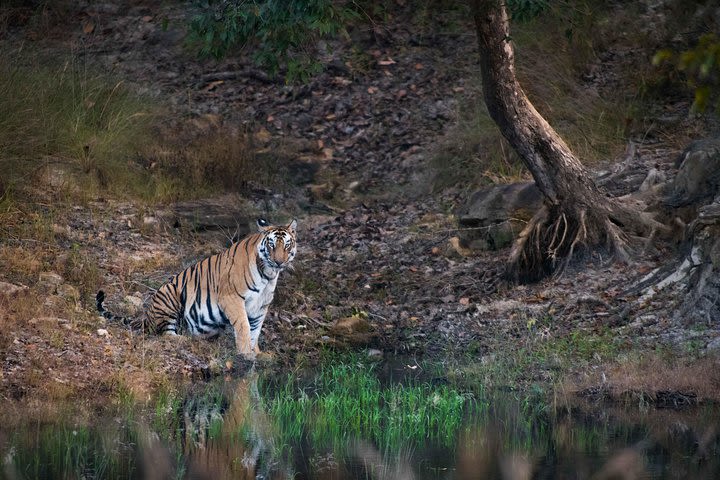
{"x": 419, "y": 66}
{"x": 262, "y": 135}
{"x": 372, "y": 90}
{"x": 88, "y": 27}
{"x": 465, "y": 301}
{"x": 389, "y": 61}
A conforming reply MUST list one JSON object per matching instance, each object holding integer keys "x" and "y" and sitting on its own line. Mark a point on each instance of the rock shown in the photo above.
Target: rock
{"x": 54, "y": 302}
{"x": 374, "y": 354}
{"x": 695, "y": 193}
{"x": 103, "y": 332}
{"x": 51, "y": 320}
{"x": 494, "y": 216}
{"x": 48, "y": 282}
{"x": 713, "y": 345}
{"x": 133, "y": 304}
{"x": 57, "y": 178}
{"x": 698, "y": 178}
{"x": 9, "y": 289}
{"x": 68, "y": 292}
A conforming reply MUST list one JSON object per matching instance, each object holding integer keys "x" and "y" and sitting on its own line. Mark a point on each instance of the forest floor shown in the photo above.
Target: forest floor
{"x": 378, "y": 267}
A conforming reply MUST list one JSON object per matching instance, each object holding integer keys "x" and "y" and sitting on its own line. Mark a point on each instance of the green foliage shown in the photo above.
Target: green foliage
{"x": 281, "y": 32}
{"x": 522, "y": 10}
{"x": 701, "y": 67}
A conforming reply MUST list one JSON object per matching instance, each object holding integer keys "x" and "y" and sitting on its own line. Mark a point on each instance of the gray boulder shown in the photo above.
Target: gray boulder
{"x": 493, "y": 216}
{"x": 698, "y": 178}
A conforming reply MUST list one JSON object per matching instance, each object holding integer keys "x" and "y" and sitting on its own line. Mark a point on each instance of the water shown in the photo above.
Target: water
{"x": 346, "y": 422}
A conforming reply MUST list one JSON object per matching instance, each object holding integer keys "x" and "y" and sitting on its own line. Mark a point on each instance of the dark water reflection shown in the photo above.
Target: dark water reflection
{"x": 229, "y": 429}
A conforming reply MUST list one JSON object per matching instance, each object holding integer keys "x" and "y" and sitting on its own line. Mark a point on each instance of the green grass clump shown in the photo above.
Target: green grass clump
{"x": 348, "y": 401}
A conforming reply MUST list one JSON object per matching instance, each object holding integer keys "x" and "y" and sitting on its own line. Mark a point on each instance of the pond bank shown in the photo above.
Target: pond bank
{"x": 353, "y": 418}
{"x": 379, "y": 263}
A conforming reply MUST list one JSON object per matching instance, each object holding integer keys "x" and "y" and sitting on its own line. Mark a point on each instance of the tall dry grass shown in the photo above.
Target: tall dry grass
{"x": 63, "y": 114}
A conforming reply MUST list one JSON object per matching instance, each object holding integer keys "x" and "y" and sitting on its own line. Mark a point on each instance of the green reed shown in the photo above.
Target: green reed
{"x": 347, "y": 401}
{"x": 63, "y": 451}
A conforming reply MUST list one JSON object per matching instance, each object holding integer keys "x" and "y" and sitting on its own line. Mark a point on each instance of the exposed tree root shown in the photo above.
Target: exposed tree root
{"x": 554, "y": 237}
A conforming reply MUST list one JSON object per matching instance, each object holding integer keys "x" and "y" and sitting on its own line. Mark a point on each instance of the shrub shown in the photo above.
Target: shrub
{"x": 282, "y": 32}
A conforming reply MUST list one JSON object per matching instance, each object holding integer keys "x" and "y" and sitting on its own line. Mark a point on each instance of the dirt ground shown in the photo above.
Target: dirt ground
{"x": 377, "y": 267}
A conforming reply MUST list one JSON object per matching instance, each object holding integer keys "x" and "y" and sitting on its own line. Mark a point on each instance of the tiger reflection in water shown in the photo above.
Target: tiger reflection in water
{"x": 230, "y": 439}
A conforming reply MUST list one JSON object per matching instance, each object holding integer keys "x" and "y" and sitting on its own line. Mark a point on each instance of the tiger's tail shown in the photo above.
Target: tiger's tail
{"x": 134, "y": 323}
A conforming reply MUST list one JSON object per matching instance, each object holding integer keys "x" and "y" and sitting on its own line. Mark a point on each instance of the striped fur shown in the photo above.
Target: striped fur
{"x": 232, "y": 288}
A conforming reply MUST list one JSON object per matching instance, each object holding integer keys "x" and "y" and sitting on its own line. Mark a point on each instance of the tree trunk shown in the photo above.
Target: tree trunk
{"x": 577, "y": 215}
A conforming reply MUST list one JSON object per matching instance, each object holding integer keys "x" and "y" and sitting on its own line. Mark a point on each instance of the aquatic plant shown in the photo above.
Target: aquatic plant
{"x": 347, "y": 401}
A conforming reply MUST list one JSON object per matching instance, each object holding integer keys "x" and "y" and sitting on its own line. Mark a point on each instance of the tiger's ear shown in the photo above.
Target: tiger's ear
{"x": 292, "y": 226}
{"x": 262, "y": 224}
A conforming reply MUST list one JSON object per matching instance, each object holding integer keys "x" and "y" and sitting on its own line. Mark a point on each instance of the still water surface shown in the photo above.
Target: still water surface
{"x": 348, "y": 422}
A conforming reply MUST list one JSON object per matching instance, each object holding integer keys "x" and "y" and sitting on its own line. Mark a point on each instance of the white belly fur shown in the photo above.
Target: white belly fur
{"x": 256, "y": 304}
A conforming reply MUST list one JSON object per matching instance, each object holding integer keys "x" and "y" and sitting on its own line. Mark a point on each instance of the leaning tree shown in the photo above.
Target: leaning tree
{"x": 576, "y": 215}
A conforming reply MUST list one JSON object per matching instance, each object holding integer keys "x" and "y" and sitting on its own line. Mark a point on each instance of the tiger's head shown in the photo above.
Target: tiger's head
{"x": 277, "y": 246}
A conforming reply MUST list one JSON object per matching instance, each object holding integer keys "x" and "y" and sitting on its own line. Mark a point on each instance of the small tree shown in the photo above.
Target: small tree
{"x": 576, "y": 214}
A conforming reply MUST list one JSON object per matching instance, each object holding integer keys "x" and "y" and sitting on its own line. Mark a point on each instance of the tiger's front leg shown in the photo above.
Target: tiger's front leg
{"x": 255, "y": 328}
{"x": 234, "y": 309}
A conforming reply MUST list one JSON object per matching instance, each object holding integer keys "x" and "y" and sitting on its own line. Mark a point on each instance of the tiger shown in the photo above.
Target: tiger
{"x": 232, "y": 288}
